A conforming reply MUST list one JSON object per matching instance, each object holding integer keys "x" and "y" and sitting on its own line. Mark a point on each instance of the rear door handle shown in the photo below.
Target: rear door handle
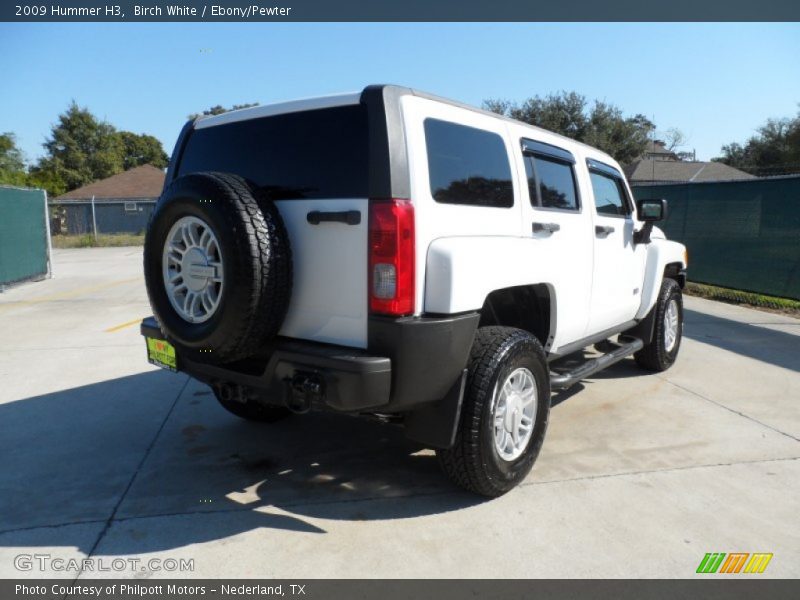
{"x": 603, "y": 229}
{"x": 348, "y": 217}
{"x": 548, "y": 227}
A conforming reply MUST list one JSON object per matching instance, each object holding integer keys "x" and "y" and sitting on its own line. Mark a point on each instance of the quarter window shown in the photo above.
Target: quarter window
{"x": 467, "y": 165}
{"x": 609, "y": 197}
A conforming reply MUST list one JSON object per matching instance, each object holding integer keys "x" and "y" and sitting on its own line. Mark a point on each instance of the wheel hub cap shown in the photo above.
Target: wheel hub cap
{"x": 514, "y": 413}
{"x": 192, "y": 267}
{"x": 671, "y": 325}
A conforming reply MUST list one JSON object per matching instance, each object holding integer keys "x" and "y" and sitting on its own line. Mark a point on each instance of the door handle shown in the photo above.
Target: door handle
{"x": 603, "y": 229}
{"x": 349, "y": 217}
{"x": 548, "y": 227}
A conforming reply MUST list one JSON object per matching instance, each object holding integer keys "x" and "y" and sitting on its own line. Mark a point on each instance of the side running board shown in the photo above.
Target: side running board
{"x": 623, "y": 348}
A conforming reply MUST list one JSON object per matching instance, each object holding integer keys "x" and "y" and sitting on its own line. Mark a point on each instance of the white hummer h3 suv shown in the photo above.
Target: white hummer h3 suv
{"x": 397, "y": 255}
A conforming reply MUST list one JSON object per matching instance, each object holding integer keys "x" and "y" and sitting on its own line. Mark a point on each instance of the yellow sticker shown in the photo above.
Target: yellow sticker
{"x": 161, "y": 354}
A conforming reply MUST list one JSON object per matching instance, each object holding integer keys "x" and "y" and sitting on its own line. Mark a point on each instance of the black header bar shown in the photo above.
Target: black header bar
{"x": 398, "y": 10}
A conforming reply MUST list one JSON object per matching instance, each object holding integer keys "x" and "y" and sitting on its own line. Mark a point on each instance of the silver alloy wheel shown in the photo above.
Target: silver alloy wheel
{"x": 514, "y": 413}
{"x": 671, "y": 325}
{"x": 192, "y": 268}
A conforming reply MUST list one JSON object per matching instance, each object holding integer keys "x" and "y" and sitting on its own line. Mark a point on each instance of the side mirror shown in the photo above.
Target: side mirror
{"x": 651, "y": 211}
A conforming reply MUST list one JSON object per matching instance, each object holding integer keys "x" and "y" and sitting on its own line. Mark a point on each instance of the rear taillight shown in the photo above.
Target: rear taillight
{"x": 391, "y": 257}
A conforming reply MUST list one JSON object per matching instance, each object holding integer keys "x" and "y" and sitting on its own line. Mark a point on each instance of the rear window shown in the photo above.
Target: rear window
{"x": 311, "y": 154}
{"x": 467, "y": 165}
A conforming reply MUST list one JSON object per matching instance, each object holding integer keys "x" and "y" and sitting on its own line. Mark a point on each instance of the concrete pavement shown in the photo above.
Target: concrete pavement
{"x": 640, "y": 475}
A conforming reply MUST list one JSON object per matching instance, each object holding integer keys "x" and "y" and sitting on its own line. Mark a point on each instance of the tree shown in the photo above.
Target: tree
{"x": 602, "y": 124}
{"x": 673, "y": 138}
{"x": 219, "y": 109}
{"x": 12, "y": 161}
{"x": 141, "y": 150}
{"x": 81, "y": 149}
{"x": 11, "y": 157}
{"x": 774, "y": 150}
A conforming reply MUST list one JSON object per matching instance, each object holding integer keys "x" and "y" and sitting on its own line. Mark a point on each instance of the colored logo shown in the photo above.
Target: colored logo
{"x": 735, "y": 562}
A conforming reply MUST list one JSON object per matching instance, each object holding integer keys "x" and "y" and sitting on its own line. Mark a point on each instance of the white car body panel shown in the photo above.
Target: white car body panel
{"x": 660, "y": 253}
{"x": 329, "y": 293}
{"x": 464, "y": 253}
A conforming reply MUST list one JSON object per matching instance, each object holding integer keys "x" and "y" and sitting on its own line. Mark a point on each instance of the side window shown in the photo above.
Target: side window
{"x": 609, "y": 197}
{"x": 467, "y": 165}
{"x": 556, "y": 184}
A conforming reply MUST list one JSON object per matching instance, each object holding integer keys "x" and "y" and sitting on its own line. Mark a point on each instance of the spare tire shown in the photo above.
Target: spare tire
{"x": 218, "y": 267}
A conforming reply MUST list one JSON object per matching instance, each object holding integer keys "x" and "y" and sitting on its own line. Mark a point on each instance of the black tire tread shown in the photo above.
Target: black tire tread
{"x": 653, "y": 356}
{"x": 271, "y": 260}
{"x": 261, "y": 273}
{"x": 464, "y": 462}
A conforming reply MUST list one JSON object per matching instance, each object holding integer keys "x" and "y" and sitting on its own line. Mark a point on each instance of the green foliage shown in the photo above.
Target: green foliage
{"x": 601, "y": 124}
{"x": 141, "y": 150}
{"x": 11, "y": 157}
{"x": 774, "y": 150}
{"x": 47, "y": 180}
{"x": 219, "y": 109}
{"x": 82, "y": 149}
{"x": 713, "y": 292}
{"x": 88, "y": 240}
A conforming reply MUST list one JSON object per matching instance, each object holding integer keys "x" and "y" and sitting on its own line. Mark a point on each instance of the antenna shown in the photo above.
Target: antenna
{"x": 652, "y": 159}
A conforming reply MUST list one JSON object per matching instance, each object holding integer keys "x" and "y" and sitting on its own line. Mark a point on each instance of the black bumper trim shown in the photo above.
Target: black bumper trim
{"x": 353, "y": 380}
{"x": 409, "y": 362}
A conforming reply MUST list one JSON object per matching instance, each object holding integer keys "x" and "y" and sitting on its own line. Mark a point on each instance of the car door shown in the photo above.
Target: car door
{"x": 618, "y": 270}
{"x": 558, "y": 228}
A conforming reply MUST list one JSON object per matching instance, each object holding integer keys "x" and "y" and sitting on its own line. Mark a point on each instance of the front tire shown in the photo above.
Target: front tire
{"x": 504, "y": 413}
{"x": 660, "y": 354}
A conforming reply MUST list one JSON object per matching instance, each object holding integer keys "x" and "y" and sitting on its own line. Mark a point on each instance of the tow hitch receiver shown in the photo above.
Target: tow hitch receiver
{"x": 306, "y": 389}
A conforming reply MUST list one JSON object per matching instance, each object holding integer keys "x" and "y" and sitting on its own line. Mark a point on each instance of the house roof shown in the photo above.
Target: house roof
{"x": 656, "y": 147}
{"x": 145, "y": 181}
{"x": 649, "y": 170}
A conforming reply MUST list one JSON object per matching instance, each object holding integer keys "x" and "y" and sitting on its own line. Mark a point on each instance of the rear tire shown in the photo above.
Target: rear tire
{"x": 660, "y": 354}
{"x": 507, "y": 366}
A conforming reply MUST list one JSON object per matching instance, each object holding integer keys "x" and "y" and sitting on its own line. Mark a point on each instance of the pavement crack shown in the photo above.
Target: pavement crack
{"x": 653, "y": 471}
{"x": 420, "y": 494}
{"x": 51, "y": 526}
{"x": 728, "y": 408}
{"x": 135, "y": 474}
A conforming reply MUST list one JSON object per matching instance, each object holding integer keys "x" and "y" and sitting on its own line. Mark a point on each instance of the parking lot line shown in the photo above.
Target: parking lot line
{"x": 123, "y": 325}
{"x": 68, "y": 294}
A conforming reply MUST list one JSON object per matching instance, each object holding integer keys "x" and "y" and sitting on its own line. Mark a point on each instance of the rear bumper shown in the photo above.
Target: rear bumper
{"x": 410, "y": 362}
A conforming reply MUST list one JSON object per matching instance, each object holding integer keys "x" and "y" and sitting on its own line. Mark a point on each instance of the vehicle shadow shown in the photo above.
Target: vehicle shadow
{"x": 120, "y": 447}
{"x": 753, "y": 341}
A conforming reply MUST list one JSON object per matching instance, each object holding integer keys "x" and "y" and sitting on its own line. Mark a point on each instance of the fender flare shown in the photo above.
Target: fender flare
{"x": 660, "y": 253}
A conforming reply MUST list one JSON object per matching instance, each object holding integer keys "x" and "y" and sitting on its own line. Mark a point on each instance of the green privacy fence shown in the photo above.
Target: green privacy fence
{"x": 740, "y": 234}
{"x": 24, "y": 243}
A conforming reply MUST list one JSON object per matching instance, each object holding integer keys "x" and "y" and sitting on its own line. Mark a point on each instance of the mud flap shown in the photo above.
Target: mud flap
{"x": 435, "y": 424}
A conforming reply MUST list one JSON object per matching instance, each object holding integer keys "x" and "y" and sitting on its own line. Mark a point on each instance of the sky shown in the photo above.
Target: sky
{"x": 715, "y": 82}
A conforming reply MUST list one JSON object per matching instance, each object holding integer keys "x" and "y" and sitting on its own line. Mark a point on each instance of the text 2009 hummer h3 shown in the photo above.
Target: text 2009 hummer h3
{"x": 394, "y": 254}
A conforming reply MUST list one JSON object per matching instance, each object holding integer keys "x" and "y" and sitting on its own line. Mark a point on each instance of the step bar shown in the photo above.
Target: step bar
{"x": 625, "y": 347}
